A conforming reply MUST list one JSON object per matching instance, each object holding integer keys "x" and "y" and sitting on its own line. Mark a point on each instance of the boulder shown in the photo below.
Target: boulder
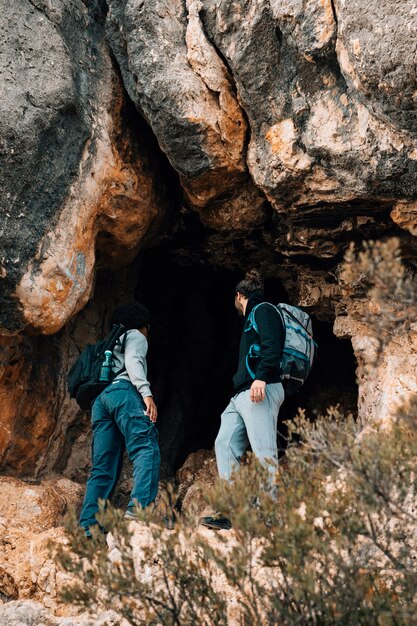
{"x": 196, "y": 476}
{"x": 185, "y": 91}
{"x": 308, "y": 75}
{"x": 72, "y": 176}
{"x": 30, "y": 613}
{"x": 31, "y": 515}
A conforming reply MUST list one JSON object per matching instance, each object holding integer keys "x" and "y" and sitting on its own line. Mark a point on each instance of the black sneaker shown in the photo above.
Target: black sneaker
{"x": 216, "y": 522}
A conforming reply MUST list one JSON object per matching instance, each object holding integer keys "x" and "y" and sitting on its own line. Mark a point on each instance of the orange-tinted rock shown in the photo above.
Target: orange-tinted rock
{"x": 28, "y": 375}
{"x": 196, "y": 476}
{"x": 404, "y": 214}
{"x": 185, "y": 91}
{"x": 112, "y": 205}
{"x": 30, "y": 516}
{"x": 81, "y": 178}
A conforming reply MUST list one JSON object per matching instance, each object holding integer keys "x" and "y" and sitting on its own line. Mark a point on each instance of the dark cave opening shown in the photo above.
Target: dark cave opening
{"x": 193, "y": 350}
{"x": 193, "y": 339}
{"x": 332, "y": 380}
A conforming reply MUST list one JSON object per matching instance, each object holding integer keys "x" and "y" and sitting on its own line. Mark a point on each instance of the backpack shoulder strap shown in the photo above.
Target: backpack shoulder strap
{"x": 115, "y": 333}
{"x": 122, "y": 343}
{"x": 252, "y": 320}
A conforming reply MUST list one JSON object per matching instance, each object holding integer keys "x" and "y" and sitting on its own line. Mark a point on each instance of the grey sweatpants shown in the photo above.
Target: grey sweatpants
{"x": 245, "y": 422}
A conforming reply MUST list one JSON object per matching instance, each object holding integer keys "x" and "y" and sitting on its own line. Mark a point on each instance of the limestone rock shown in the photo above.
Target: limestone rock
{"x": 185, "y": 91}
{"x": 314, "y": 137}
{"x": 71, "y": 174}
{"x": 405, "y": 215}
{"x": 288, "y": 132}
{"x": 41, "y": 425}
{"x": 325, "y": 103}
{"x": 386, "y": 387}
{"x": 36, "y": 507}
{"x": 26, "y": 613}
{"x": 374, "y": 50}
{"x": 29, "y": 369}
{"x": 196, "y": 476}
{"x": 8, "y": 587}
{"x": 306, "y": 76}
{"x": 31, "y": 516}
{"x": 144, "y": 540}
{"x": 30, "y": 613}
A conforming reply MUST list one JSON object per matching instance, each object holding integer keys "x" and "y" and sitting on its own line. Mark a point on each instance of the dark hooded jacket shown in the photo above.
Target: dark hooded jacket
{"x": 271, "y": 338}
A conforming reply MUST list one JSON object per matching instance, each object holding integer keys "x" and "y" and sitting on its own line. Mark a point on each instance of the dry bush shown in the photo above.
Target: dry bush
{"x": 335, "y": 545}
{"x": 380, "y": 289}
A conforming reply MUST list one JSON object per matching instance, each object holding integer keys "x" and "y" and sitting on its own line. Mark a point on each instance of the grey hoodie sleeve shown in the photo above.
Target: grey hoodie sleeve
{"x": 136, "y": 349}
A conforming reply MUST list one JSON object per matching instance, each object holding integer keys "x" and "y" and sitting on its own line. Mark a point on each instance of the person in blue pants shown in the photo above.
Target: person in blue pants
{"x": 124, "y": 416}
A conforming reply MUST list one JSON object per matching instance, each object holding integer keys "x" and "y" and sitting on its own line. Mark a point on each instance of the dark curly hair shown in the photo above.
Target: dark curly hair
{"x": 132, "y": 315}
{"x": 252, "y": 284}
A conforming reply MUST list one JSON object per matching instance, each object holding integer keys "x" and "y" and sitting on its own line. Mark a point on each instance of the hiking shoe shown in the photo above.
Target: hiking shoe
{"x": 89, "y": 535}
{"x": 216, "y": 522}
{"x": 130, "y": 515}
{"x": 167, "y": 521}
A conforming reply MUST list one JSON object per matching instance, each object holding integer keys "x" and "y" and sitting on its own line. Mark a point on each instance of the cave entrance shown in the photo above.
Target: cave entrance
{"x": 332, "y": 381}
{"x": 194, "y": 340}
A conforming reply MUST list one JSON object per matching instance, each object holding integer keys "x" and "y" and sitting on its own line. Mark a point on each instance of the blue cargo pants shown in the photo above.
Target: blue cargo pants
{"x": 119, "y": 421}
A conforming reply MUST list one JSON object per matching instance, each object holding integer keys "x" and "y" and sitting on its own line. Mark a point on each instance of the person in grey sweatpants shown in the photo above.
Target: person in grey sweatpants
{"x": 252, "y": 414}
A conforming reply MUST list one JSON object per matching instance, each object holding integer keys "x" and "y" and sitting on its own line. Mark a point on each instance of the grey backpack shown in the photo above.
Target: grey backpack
{"x": 299, "y": 346}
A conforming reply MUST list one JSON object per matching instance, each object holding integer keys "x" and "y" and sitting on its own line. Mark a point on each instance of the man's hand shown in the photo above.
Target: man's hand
{"x": 151, "y": 410}
{"x": 258, "y": 391}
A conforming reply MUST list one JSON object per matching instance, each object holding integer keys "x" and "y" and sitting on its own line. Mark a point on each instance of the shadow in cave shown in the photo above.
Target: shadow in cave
{"x": 193, "y": 344}
{"x": 193, "y": 352}
{"x": 332, "y": 380}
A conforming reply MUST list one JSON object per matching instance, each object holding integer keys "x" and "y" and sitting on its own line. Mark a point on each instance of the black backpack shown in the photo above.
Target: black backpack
{"x": 83, "y": 379}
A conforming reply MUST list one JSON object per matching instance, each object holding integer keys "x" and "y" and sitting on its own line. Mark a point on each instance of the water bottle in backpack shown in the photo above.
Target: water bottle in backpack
{"x": 106, "y": 368}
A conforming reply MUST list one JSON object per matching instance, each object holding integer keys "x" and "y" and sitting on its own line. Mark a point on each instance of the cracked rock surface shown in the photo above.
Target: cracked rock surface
{"x": 288, "y": 117}
{"x": 71, "y": 171}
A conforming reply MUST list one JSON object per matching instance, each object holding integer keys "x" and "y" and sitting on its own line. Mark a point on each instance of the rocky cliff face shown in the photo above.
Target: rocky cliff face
{"x": 257, "y": 132}
{"x": 73, "y": 173}
{"x": 157, "y": 150}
